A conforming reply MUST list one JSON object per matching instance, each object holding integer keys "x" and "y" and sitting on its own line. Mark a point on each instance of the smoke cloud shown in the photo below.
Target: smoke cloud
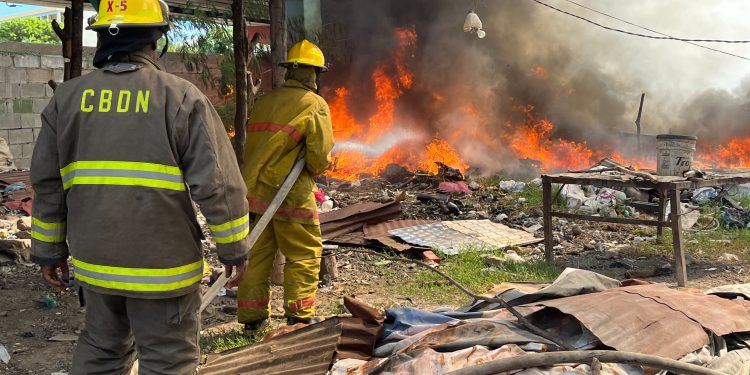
{"x": 587, "y": 81}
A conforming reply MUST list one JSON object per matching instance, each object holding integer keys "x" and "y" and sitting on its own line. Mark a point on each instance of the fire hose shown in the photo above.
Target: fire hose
{"x": 221, "y": 282}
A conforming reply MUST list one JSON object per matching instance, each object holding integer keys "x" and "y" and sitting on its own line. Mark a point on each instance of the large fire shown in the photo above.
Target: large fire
{"x": 368, "y": 146}
{"x": 390, "y": 79}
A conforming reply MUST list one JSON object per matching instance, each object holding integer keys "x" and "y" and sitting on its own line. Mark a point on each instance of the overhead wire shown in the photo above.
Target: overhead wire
{"x": 657, "y": 32}
{"x": 662, "y": 37}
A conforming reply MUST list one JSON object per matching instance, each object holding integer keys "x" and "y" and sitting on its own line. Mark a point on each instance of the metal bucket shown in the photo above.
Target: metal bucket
{"x": 674, "y": 154}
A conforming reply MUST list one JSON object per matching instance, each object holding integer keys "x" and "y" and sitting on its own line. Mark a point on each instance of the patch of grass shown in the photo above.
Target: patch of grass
{"x": 470, "y": 269}
{"x": 535, "y": 199}
{"x": 339, "y": 309}
{"x": 703, "y": 246}
{"x": 218, "y": 342}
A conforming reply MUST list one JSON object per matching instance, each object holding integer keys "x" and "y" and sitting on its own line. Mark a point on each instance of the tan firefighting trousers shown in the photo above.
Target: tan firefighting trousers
{"x": 164, "y": 333}
{"x": 302, "y": 246}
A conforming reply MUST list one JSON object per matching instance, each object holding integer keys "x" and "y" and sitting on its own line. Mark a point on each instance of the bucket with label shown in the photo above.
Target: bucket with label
{"x": 674, "y": 154}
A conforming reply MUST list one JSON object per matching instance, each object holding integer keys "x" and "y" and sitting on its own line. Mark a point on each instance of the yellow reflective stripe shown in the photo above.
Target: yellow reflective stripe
{"x": 138, "y": 287}
{"x": 125, "y": 271}
{"x": 47, "y": 238}
{"x": 126, "y": 165}
{"x": 47, "y": 232}
{"x": 48, "y": 226}
{"x": 231, "y": 231}
{"x": 130, "y": 181}
{"x": 125, "y": 173}
{"x": 229, "y": 224}
{"x": 138, "y": 279}
{"x": 233, "y": 238}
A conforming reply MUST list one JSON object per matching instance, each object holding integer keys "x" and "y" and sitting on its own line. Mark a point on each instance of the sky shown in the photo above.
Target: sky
{"x": 7, "y": 9}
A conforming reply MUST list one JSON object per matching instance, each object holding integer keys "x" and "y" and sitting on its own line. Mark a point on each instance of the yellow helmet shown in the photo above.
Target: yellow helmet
{"x": 305, "y": 53}
{"x": 113, "y": 14}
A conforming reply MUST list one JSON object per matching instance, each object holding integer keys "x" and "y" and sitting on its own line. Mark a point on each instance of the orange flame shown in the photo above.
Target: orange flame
{"x": 441, "y": 151}
{"x": 390, "y": 79}
{"x": 539, "y": 72}
{"x": 344, "y": 124}
{"x": 734, "y": 154}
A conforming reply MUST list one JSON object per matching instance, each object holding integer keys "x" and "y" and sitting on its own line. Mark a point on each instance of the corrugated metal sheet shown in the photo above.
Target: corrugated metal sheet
{"x": 8, "y": 178}
{"x": 379, "y": 232}
{"x": 361, "y": 331}
{"x": 306, "y": 351}
{"x": 648, "y": 319}
{"x": 356, "y": 238}
{"x": 352, "y": 218}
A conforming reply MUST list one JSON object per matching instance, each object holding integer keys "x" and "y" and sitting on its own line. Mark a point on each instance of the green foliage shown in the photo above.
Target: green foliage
{"x": 28, "y": 30}
{"x": 218, "y": 342}
{"x": 470, "y": 270}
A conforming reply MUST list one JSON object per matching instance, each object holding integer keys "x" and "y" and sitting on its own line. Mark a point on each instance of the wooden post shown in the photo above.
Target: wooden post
{"x": 239, "y": 37}
{"x": 65, "y": 37}
{"x": 549, "y": 254}
{"x": 76, "y": 38}
{"x": 277, "y": 275}
{"x": 662, "y": 213}
{"x": 278, "y": 40}
{"x": 679, "y": 256}
{"x": 328, "y": 267}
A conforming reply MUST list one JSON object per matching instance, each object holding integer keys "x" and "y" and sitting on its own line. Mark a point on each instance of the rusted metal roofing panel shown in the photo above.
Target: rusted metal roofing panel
{"x": 361, "y": 331}
{"x": 356, "y": 238}
{"x": 8, "y": 178}
{"x": 306, "y": 351}
{"x": 354, "y": 217}
{"x": 719, "y": 315}
{"x": 650, "y": 319}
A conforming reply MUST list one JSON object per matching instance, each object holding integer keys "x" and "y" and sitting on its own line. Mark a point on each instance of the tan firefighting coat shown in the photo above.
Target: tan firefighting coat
{"x": 288, "y": 124}
{"x": 121, "y": 153}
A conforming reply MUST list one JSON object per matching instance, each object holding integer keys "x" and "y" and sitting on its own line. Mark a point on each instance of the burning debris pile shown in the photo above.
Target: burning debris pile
{"x": 412, "y": 92}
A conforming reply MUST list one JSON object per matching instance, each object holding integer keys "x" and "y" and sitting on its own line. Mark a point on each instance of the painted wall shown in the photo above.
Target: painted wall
{"x": 25, "y": 70}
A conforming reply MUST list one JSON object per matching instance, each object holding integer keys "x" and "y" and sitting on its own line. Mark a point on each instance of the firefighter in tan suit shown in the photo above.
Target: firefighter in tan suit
{"x": 288, "y": 124}
{"x": 121, "y": 154}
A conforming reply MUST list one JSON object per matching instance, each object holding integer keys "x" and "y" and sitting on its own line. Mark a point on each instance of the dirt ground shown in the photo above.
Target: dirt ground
{"x": 26, "y": 324}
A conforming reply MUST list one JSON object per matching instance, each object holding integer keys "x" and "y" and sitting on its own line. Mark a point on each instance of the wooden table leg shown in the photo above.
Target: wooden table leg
{"x": 679, "y": 255}
{"x": 662, "y": 212}
{"x": 549, "y": 255}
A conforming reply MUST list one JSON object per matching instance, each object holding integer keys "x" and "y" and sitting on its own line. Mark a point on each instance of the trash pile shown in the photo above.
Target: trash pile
{"x": 583, "y": 311}
{"x": 16, "y": 197}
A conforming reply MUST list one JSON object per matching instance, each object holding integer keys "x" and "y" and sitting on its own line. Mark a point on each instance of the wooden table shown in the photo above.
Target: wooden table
{"x": 666, "y": 186}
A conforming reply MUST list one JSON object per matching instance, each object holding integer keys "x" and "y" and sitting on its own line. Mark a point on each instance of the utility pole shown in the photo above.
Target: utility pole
{"x": 278, "y": 39}
{"x": 239, "y": 37}
{"x": 638, "y": 124}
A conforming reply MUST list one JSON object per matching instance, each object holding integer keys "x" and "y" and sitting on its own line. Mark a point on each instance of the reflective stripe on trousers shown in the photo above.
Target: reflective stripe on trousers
{"x": 122, "y": 173}
{"x": 47, "y": 232}
{"x": 253, "y": 303}
{"x": 139, "y": 279}
{"x": 295, "y": 305}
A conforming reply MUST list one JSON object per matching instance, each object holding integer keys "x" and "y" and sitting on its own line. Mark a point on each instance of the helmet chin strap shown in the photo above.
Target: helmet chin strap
{"x": 317, "y": 80}
{"x": 166, "y": 45}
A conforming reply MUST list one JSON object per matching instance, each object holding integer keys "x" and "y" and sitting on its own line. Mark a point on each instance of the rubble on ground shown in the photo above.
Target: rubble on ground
{"x": 585, "y": 310}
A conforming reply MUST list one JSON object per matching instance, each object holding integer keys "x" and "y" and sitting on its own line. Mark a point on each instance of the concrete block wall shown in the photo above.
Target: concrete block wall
{"x": 25, "y": 70}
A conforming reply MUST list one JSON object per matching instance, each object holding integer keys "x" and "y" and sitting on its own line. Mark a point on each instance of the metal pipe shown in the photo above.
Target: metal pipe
{"x": 608, "y": 356}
